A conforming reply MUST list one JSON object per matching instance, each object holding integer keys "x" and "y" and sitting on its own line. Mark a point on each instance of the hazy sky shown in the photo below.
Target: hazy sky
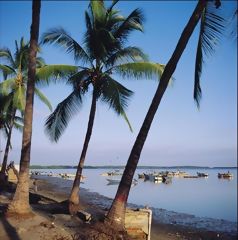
{"x": 180, "y": 134}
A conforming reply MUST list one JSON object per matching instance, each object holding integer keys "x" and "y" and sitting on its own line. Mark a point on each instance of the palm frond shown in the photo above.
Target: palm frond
{"x": 127, "y": 54}
{"x": 114, "y": 2}
{"x": 5, "y": 53}
{"x": 18, "y": 119}
{"x": 6, "y": 70}
{"x": 19, "y": 99}
{"x": 98, "y": 12}
{"x": 18, "y": 126}
{"x": 139, "y": 70}
{"x": 81, "y": 80}
{"x": 43, "y": 98}
{"x": 212, "y": 27}
{"x": 21, "y": 56}
{"x": 116, "y": 95}
{"x": 57, "y": 122}
{"x": 40, "y": 62}
{"x": 233, "y": 25}
{"x": 61, "y": 38}
{"x": 54, "y": 73}
{"x": 133, "y": 22}
{"x": 99, "y": 41}
{"x": 6, "y": 86}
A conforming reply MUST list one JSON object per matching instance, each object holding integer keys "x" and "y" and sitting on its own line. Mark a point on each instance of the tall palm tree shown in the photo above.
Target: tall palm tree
{"x": 20, "y": 202}
{"x": 102, "y": 55}
{"x": 211, "y": 27}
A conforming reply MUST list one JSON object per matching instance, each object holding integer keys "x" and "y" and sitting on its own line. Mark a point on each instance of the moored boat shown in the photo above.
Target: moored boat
{"x": 200, "y": 174}
{"x": 114, "y": 173}
{"x": 142, "y": 175}
{"x": 113, "y": 181}
{"x": 180, "y": 173}
{"x": 225, "y": 175}
{"x": 153, "y": 177}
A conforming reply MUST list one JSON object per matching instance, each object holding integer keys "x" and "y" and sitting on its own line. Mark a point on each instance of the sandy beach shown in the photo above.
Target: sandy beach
{"x": 52, "y": 220}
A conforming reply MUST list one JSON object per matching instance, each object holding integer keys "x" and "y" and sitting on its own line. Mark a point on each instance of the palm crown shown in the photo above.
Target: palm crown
{"x": 102, "y": 54}
{"x": 15, "y": 74}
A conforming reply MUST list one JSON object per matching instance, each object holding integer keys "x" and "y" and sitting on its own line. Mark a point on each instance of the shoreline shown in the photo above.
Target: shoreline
{"x": 50, "y": 218}
{"x": 90, "y": 200}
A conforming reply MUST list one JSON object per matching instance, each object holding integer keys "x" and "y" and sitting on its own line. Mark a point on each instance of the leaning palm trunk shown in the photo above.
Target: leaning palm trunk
{"x": 116, "y": 214}
{"x": 20, "y": 203}
{"x": 74, "y": 196}
{"x": 8, "y": 144}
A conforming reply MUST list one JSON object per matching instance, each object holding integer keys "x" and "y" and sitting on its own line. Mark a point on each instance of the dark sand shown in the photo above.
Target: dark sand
{"x": 52, "y": 220}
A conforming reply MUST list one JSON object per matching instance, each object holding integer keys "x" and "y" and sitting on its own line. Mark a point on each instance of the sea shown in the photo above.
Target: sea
{"x": 209, "y": 197}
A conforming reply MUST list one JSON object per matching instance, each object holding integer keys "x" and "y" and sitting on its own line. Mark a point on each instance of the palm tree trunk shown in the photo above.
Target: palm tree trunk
{"x": 20, "y": 203}
{"x": 8, "y": 144}
{"x": 74, "y": 196}
{"x": 116, "y": 214}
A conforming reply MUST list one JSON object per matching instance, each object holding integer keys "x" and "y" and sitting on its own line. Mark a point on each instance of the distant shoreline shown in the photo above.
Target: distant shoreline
{"x": 122, "y": 167}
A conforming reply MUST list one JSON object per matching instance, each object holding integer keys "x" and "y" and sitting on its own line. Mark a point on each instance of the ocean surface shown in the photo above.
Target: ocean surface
{"x": 203, "y": 197}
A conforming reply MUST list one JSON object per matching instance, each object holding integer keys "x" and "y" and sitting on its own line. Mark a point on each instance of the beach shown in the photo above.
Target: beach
{"x": 52, "y": 220}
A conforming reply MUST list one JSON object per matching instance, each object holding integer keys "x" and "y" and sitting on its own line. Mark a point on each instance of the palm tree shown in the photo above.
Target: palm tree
{"x": 7, "y": 122}
{"x": 102, "y": 55}
{"x": 15, "y": 80}
{"x": 211, "y": 27}
{"x": 20, "y": 202}
{"x": 15, "y": 85}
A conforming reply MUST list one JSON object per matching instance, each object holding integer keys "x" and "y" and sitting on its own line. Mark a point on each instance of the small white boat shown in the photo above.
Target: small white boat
{"x": 113, "y": 181}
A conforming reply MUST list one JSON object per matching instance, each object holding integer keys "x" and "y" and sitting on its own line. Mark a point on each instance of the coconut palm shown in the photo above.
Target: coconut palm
{"x": 15, "y": 79}
{"x": 102, "y": 55}
{"x": 211, "y": 28}
{"x": 20, "y": 202}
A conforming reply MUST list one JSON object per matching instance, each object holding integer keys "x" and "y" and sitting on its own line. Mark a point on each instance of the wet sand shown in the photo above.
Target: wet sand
{"x": 52, "y": 191}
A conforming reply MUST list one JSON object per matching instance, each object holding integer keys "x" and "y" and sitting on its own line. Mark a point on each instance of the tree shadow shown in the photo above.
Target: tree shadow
{"x": 10, "y": 230}
{"x": 47, "y": 205}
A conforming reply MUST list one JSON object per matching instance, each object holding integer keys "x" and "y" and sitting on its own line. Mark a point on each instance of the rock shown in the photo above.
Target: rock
{"x": 47, "y": 224}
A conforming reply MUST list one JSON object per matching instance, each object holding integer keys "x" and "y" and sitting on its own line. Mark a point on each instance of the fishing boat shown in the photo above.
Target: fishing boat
{"x": 167, "y": 179}
{"x": 190, "y": 176}
{"x": 179, "y": 173}
{"x": 141, "y": 176}
{"x": 113, "y": 173}
{"x": 225, "y": 175}
{"x": 153, "y": 177}
{"x": 200, "y": 174}
{"x": 115, "y": 181}
{"x": 70, "y": 176}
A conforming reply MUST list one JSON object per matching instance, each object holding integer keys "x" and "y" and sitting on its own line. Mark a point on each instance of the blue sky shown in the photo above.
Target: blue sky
{"x": 180, "y": 134}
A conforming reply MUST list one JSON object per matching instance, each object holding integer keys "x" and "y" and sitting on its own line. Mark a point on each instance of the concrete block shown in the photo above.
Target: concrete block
{"x": 84, "y": 216}
{"x": 138, "y": 223}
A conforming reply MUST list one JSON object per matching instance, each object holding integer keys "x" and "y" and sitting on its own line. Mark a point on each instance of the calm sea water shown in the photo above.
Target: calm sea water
{"x": 203, "y": 197}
